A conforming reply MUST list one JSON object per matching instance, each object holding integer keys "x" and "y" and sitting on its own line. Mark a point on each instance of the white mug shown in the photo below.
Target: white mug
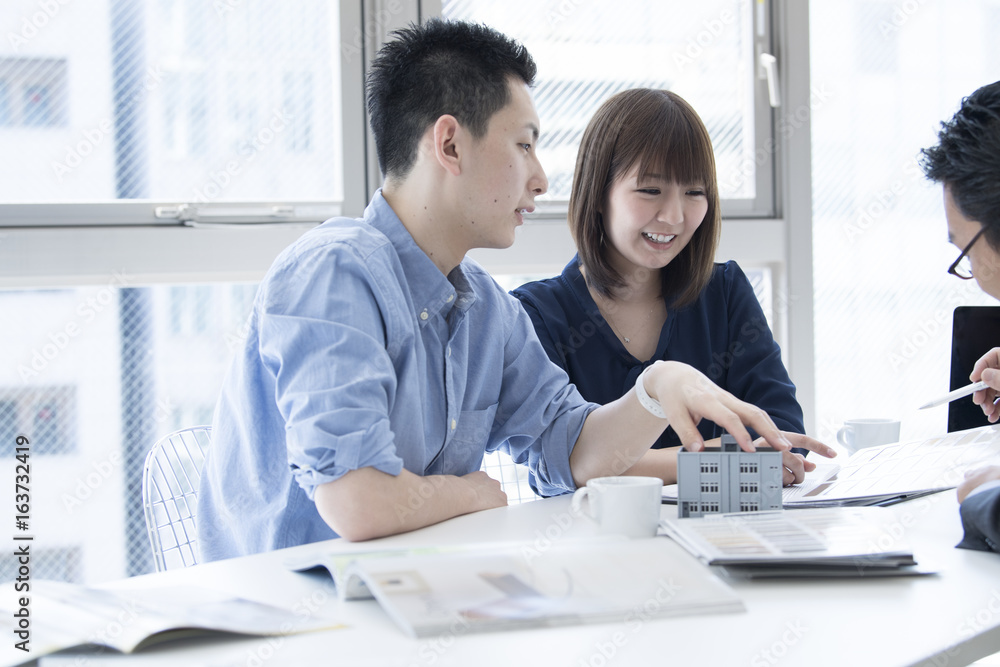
{"x": 628, "y": 506}
{"x": 860, "y": 433}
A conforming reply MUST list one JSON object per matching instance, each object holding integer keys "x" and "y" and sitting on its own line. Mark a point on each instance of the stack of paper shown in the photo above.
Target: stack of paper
{"x": 831, "y": 542}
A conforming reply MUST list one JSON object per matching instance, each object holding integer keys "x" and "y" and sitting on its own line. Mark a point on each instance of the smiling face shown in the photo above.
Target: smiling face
{"x": 984, "y": 259}
{"x": 650, "y": 220}
{"x": 502, "y": 174}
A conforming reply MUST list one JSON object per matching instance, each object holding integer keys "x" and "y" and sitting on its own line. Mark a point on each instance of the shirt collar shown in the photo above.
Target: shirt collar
{"x": 430, "y": 290}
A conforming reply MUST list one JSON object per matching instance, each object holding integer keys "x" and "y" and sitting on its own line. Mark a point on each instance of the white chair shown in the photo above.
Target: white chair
{"x": 170, "y": 479}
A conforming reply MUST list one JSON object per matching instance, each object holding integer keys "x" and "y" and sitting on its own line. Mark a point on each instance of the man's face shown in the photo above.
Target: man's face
{"x": 985, "y": 260}
{"x": 502, "y": 172}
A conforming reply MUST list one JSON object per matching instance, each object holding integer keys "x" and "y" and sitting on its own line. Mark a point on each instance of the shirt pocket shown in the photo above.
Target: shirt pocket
{"x": 467, "y": 445}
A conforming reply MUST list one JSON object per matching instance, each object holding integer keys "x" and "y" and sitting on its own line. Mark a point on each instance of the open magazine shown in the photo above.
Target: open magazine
{"x": 891, "y": 473}
{"x": 521, "y": 586}
{"x": 65, "y": 616}
{"x": 338, "y": 564}
{"x": 828, "y": 542}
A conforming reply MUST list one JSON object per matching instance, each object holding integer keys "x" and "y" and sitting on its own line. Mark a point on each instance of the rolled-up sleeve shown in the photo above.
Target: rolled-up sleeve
{"x": 324, "y": 341}
{"x": 540, "y": 414}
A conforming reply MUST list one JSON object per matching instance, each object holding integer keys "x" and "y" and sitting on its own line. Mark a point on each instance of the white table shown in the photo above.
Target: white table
{"x": 950, "y": 619}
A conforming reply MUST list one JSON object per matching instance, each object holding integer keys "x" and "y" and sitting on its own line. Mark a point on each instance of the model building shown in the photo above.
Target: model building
{"x": 727, "y": 479}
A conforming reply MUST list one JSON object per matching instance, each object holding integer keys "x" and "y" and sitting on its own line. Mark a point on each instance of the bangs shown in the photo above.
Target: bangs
{"x": 666, "y": 139}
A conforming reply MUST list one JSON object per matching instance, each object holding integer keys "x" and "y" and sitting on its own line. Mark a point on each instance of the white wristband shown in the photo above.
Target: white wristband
{"x": 645, "y": 400}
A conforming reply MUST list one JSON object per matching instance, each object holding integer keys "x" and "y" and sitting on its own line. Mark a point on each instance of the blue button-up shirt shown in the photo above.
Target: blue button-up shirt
{"x": 360, "y": 353}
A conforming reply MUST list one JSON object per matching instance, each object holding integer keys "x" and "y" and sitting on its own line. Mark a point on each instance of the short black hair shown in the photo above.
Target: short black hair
{"x": 967, "y": 159}
{"x": 438, "y": 68}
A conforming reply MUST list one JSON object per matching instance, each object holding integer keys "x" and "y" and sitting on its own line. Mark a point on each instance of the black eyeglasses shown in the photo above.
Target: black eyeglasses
{"x": 962, "y": 267}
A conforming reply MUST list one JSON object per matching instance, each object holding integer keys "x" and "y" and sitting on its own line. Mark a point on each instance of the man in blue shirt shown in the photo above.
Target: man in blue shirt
{"x": 966, "y": 161}
{"x": 380, "y": 364}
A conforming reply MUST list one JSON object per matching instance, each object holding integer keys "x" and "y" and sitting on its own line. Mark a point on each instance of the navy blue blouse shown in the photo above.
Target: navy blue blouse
{"x": 723, "y": 334}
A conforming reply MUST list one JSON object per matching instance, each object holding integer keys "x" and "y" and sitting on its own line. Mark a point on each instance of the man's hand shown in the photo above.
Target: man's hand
{"x": 488, "y": 492}
{"x": 987, "y": 369}
{"x": 976, "y": 478}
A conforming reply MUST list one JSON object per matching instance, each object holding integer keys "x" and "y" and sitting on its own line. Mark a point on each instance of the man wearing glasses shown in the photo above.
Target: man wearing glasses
{"x": 966, "y": 162}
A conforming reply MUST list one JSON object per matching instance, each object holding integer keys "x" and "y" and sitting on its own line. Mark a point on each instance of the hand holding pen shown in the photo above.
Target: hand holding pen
{"x": 987, "y": 371}
{"x": 985, "y": 378}
{"x": 957, "y": 394}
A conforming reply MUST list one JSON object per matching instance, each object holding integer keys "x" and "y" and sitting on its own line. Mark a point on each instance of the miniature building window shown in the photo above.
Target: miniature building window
{"x": 709, "y": 467}
{"x": 749, "y": 487}
{"x": 748, "y": 468}
{"x": 749, "y": 507}
{"x": 709, "y": 487}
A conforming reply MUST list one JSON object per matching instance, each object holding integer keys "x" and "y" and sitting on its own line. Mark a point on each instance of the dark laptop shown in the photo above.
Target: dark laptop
{"x": 975, "y": 331}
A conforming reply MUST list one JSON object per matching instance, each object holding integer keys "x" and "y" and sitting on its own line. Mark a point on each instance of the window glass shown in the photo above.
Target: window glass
{"x": 171, "y": 100}
{"x": 5, "y": 116}
{"x": 96, "y": 376}
{"x": 884, "y": 76}
{"x": 588, "y": 50}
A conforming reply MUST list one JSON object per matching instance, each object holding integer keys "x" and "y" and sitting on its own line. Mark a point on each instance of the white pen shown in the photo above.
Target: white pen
{"x": 958, "y": 393}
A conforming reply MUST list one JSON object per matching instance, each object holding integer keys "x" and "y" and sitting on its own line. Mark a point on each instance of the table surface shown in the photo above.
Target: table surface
{"x": 952, "y": 618}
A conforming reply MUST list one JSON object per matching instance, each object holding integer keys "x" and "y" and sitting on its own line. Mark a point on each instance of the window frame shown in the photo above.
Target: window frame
{"x": 176, "y": 213}
{"x": 364, "y": 25}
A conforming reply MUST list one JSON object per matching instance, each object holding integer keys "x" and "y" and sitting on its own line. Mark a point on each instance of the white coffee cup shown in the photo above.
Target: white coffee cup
{"x": 860, "y": 433}
{"x": 628, "y": 506}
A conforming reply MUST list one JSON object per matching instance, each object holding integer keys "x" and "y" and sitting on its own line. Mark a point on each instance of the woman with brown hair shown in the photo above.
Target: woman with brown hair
{"x": 644, "y": 212}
